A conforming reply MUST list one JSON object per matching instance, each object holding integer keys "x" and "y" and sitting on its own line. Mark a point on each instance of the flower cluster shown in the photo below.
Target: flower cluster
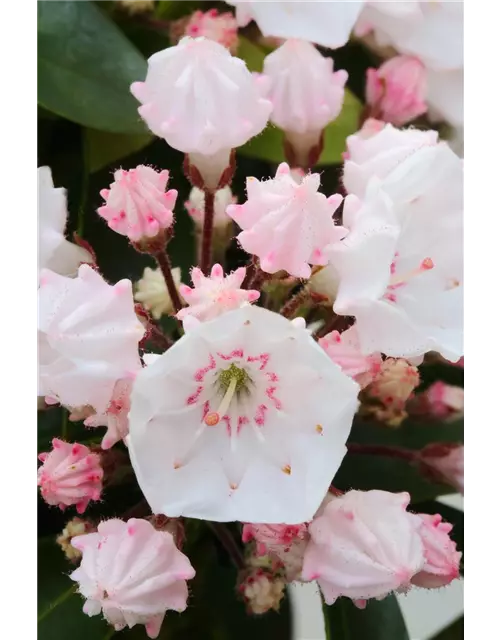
{"x": 234, "y": 399}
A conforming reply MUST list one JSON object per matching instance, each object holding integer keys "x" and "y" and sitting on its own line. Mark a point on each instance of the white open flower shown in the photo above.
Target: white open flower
{"x": 400, "y": 267}
{"x": 326, "y": 23}
{"x": 54, "y": 251}
{"x": 244, "y": 418}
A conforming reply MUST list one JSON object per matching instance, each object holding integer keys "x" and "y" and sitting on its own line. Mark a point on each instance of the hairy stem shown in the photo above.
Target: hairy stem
{"x": 290, "y": 307}
{"x": 208, "y": 227}
{"x": 383, "y": 450}
{"x": 163, "y": 261}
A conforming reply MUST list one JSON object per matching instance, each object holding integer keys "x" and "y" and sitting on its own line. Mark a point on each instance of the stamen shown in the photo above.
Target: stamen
{"x": 425, "y": 265}
{"x": 214, "y": 417}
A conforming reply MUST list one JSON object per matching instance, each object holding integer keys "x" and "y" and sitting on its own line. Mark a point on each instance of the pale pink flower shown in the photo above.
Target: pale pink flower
{"x": 151, "y": 291}
{"x": 401, "y": 283}
{"x": 364, "y": 545}
{"x": 380, "y": 152}
{"x": 88, "y": 337}
{"x": 132, "y": 573}
{"x": 396, "y": 90}
{"x": 442, "y": 560}
{"x": 54, "y": 251}
{"x": 202, "y": 101}
{"x": 244, "y": 418}
{"x": 70, "y": 474}
{"x": 448, "y": 462}
{"x": 325, "y": 23}
{"x": 262, "y": 591}
{"x": 287, "y": 224}
{"x": 440, "y": 401}
{"x": 195, "y": 206}
{"x": 215, "y": 294}
{"x": 220, "y": 27}
{"x": 305, "y": 93}
{"x": 115, "y": 418}
{"x": 137, "y": 205}
{"x": 344, "y": 349}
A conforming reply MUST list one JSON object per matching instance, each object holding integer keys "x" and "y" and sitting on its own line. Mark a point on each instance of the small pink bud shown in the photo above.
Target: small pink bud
{"x": 396, "y": 91}
{"x": 64, "y": 476}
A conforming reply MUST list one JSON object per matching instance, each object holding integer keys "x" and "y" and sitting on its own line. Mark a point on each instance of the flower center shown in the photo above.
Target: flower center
{"x": 231, "y": 381}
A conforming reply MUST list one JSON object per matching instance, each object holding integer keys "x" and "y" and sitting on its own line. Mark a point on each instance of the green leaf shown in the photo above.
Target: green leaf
{"x": 365, "y": 472}
{"x": 59, "y": 607}
{"x": 105, "y": 148}
{"x": 455, "y": 631}
{"x": 269, "y": 144}
{"x": 86, "y": 66}
{"x": 381, "y": 620}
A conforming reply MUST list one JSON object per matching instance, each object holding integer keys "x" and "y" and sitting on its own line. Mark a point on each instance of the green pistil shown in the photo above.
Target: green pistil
{"x": 233, "y": 373}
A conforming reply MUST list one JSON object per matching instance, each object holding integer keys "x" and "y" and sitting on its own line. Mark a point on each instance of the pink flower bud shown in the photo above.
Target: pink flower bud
{"x": 364, "y": 544}
{"x": 70, "y": 474}
{"x": 442, "y": 560}
{"x": 132, "y": 573}
{"x": 219, "y": 27}
{"x": 215, "y": 294}
{"x": 287, "y": 224}
{"x": 440, "y": 401}
{"x": 447, "y": 461}
{"x": 396, "y": 91}
{"x": 137, "y": 205}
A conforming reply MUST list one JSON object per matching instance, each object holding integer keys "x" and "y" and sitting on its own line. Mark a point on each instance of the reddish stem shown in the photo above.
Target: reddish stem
{"x": 163, "y": 261}
{"x": 291, "y": 306}
{"x": 383, "y": 450}
{"x": 208, "y": 227}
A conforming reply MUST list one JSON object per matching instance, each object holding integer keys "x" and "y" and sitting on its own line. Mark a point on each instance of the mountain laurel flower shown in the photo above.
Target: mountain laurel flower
{"x": 396, "y": 90}
{"x": 364, "y": 545}
{"x": 115, "y": 418}
{"x": 305, "y": 92}
{"x": 70, "y": 474}
{"x": 137, "y": 205}
{"x": 442, "y": 560}
{"x": 402, "y": 284}
{"x": 215, "y": 294}
{"x": 375, "y": 151}
{"x": 440, "y": 401}
{"x": 284, "y": 542}
{"x": 446, "y": 462}
{"x": 132, "y": 573}
{"x": 202, "y": 101}
{"x": 244, "y": 418}
{"x": 328, "y": 24}
{"x": 343, "y": 348}
{"x": 262, "y": 591}
{"x": 88, "y": 337}
{"x": 219, "y": 27}
{"x": 54, "y": 251}
{"x": 287, "y": 224}
{"x": 151, "y": 291}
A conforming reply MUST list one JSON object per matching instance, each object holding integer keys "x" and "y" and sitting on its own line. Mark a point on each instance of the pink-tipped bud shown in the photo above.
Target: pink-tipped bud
{"x": 442, "y": 560}
{"x": 396, "y": 91}
{"x": 70, "y": 475}
{"x": 137, "y": 205}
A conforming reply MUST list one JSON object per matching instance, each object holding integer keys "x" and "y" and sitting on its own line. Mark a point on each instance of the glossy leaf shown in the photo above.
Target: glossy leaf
{"x": 86, "y": 66}
{"x": 105, "y": 148}
{"x": 381, "y": 620}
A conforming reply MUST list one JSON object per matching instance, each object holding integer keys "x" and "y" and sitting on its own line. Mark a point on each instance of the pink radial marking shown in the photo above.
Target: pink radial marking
{"x": 263, "y": 358}
{"x": 242, "y": 421}
{"x": 270, "y": 394}
{"x": 237, "y": 353}
{"x": 227, "y": 420}
{"x": 193, "y": 398}
{"x": 260, "y": 415}
{"x": 272, "y": 376}
{"x": 206, "y": 409}
{"x": 201, "y": 373}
